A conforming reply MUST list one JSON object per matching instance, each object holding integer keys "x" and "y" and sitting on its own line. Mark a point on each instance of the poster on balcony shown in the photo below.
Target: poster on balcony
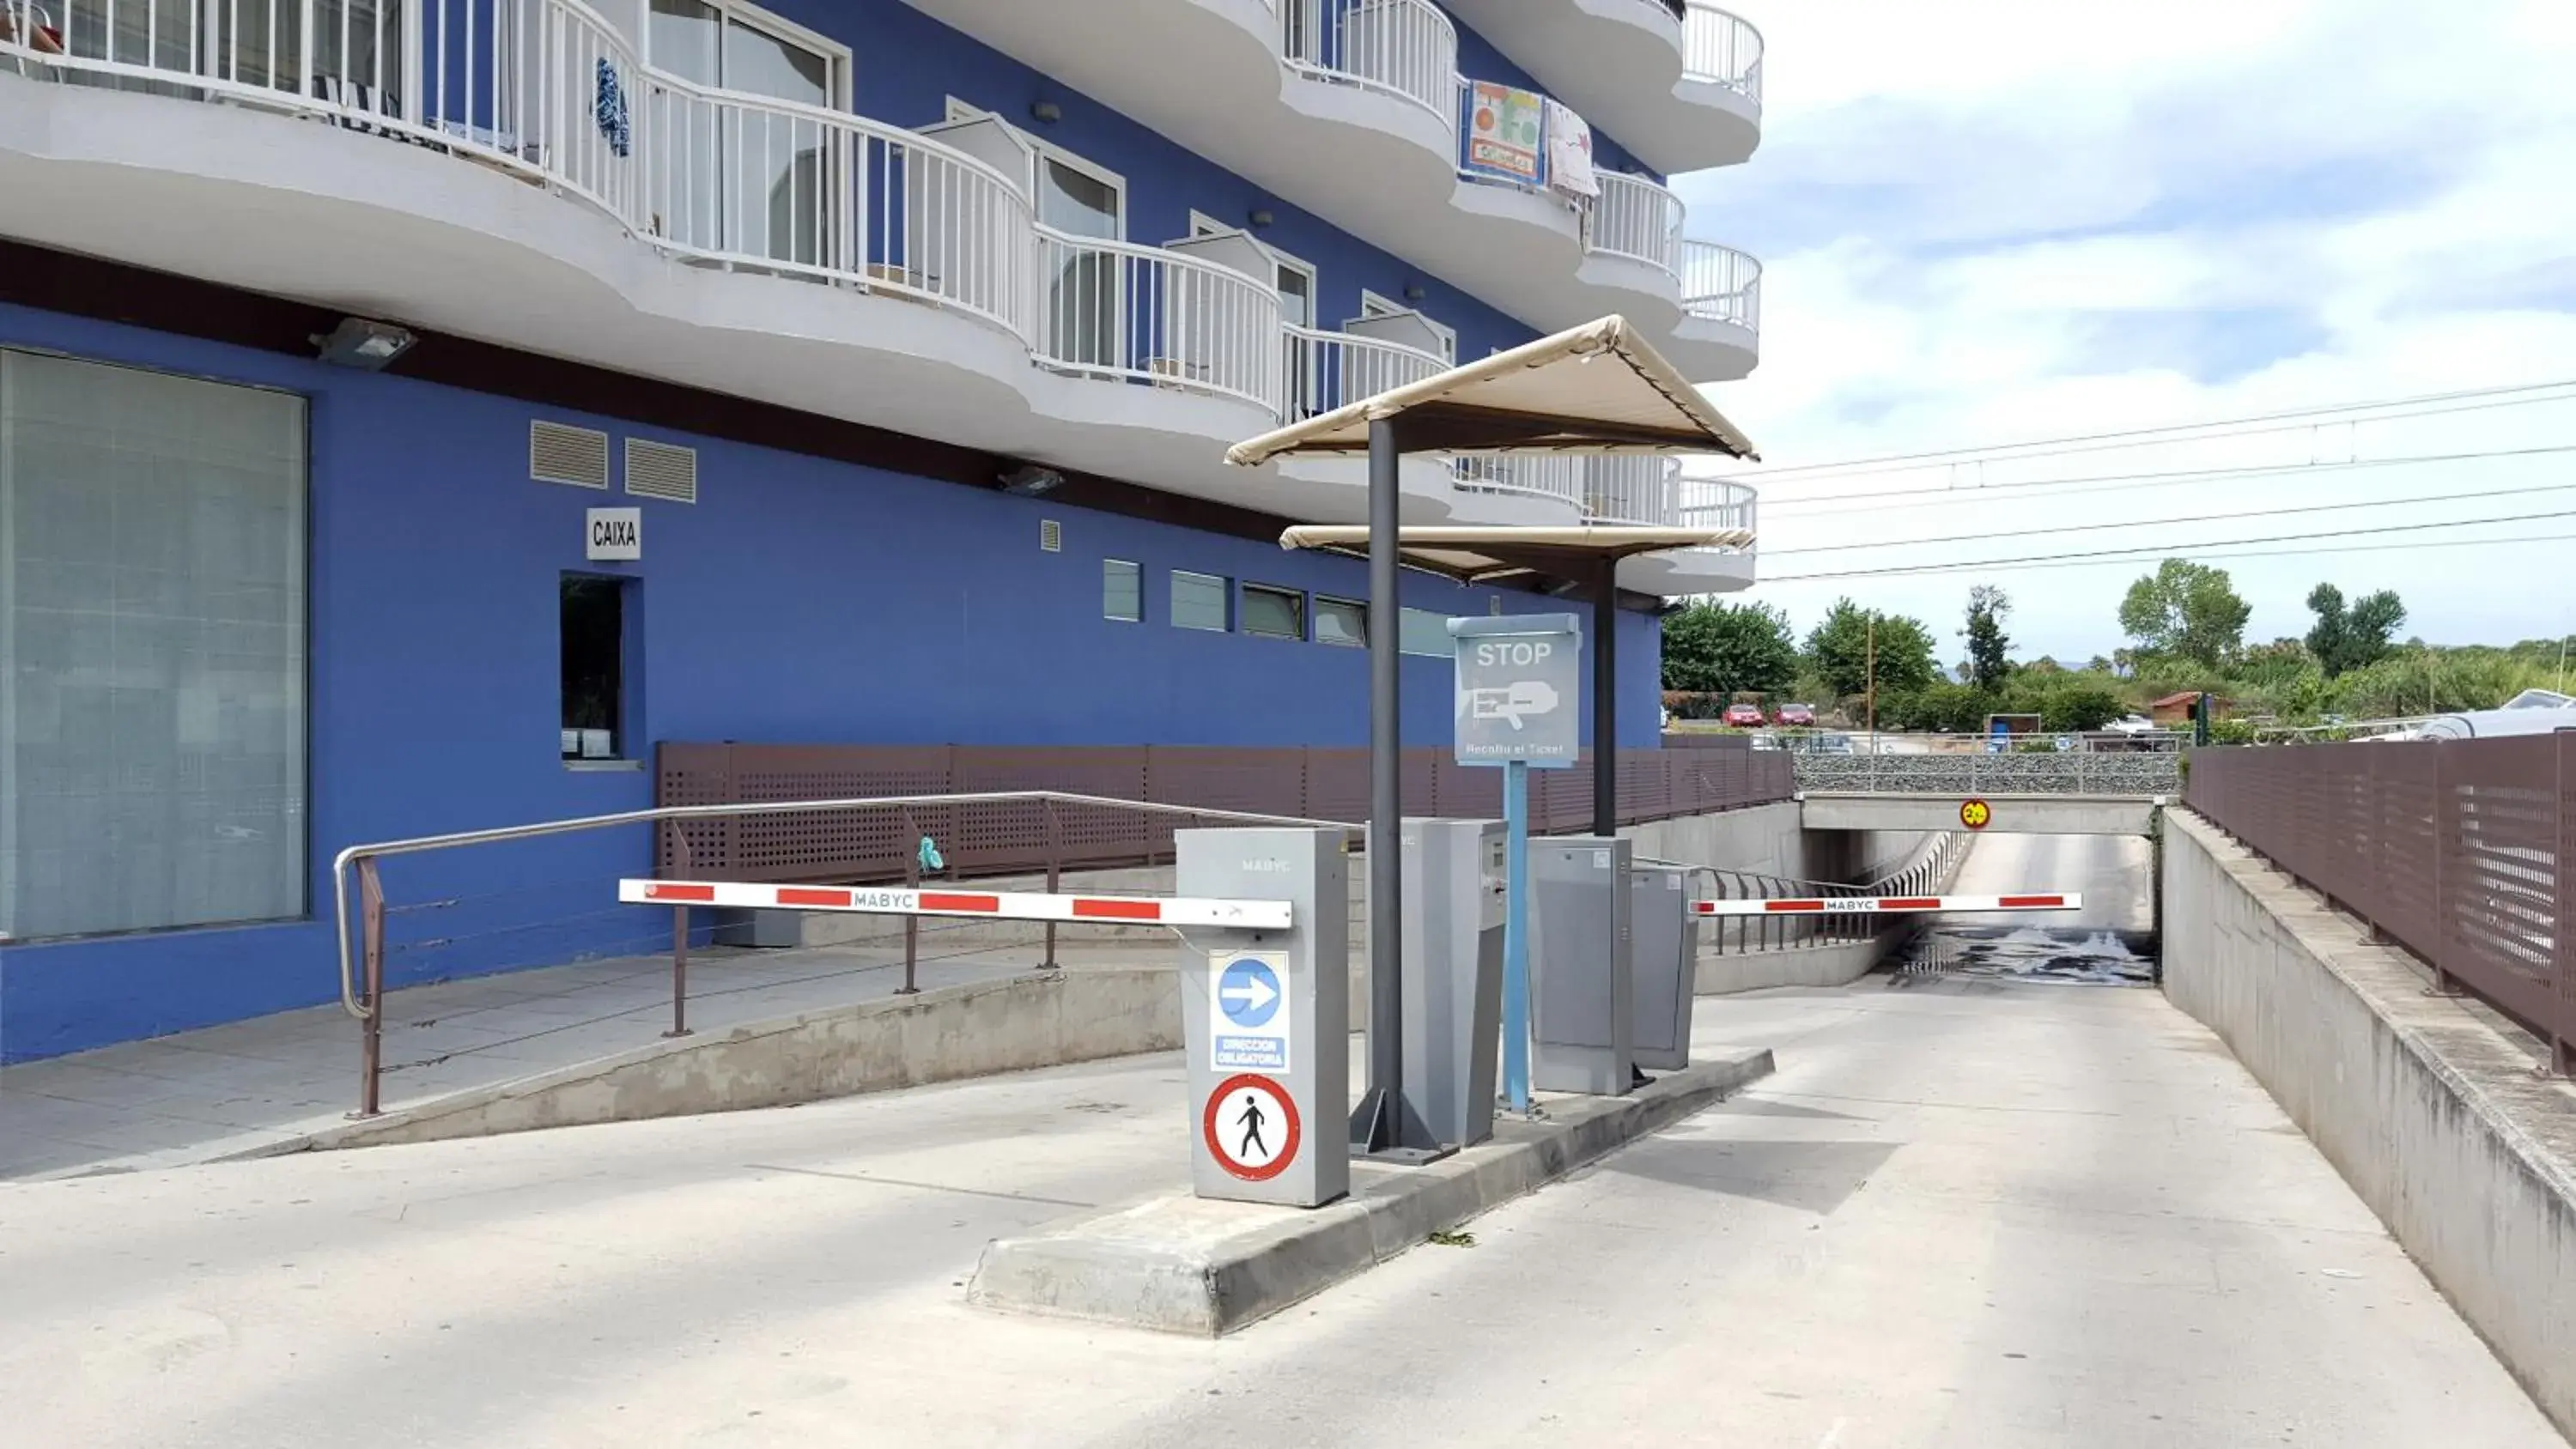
{"x": 1506, "y": 133}
{"x": 1569, "y": 152}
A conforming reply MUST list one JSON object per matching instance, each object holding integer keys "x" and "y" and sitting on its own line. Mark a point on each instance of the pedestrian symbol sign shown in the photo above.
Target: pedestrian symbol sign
{"x": 1252, "y": 1127}
{"x": 1248, "y": 1026}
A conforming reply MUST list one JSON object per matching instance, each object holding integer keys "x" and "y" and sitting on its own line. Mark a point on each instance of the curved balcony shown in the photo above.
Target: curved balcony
{"x": 1353, "y": 110}
{"x": 1652, "y": 491}
{"x": 1679, "y": 82}
{"x": 1722, "y": 297}
{"x": 558, "y": 196}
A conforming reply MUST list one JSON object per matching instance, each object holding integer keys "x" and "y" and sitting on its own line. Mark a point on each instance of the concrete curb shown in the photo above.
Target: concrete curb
{"x": 1177, "y": 1264}
{"x": 2427, "y": 1106}
{"x": 979, "y": 1029}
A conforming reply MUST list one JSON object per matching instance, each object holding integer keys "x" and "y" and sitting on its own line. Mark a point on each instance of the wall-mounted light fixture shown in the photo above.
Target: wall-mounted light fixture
{"x": 362, "y": 344}
{"x": 1046, "y": 113}
{"x": 1030, "y": 481}
{"x": 1260, "y": 217}
{"x": 1413, "y": 292}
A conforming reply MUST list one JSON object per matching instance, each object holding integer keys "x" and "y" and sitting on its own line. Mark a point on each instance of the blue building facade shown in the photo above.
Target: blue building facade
{"x": 257, "y": 606}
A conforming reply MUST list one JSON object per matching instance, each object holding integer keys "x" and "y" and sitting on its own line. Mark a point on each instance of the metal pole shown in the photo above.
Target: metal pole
{"x": 1055, "y": 875}
{"x": 680, "y": 865}
{"x": 1516, "y": 1004}
{"x": 371, "y": 918}
{"x": 1382, "y": 1124}
{"x": 911, "y": 924}
{"x": 1605, "y": 700}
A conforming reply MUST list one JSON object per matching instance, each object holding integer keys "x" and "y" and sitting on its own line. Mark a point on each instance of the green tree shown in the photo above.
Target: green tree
{"x": 2081, "y": 707}
{"x": 1839, "y": 650}
{"x": 2278, "y": 662}
{"x": 1940, "y": 707}
{"x": 1719, "y": 648}
{"x": 1989, "y": 648}
{"x": 2186, "y": 610}
{"x": 2347, "y": 639}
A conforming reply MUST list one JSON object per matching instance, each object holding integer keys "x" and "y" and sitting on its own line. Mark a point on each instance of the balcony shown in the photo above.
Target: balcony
{"x": 556, "y": 194}
{"x": 1354, "y": 111}
{"x": 1679, "y": 82}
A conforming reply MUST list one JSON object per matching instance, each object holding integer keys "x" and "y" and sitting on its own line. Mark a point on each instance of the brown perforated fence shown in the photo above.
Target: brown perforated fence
{"x": 2461, "y": 851}
{"x": 1014, "y": 836}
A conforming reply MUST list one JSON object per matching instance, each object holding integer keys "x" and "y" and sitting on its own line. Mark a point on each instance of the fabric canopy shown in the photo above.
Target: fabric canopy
{"x": 1596, "y": 389}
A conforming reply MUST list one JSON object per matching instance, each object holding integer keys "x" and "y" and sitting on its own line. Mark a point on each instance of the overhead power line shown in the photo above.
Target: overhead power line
{"x": 2345, "y": 506}
{"x": 2125, "y": 482}
{"x": 2156, "y": 550}
{"x": 2386, "y": 410}
{"x": 2091, "y": 562}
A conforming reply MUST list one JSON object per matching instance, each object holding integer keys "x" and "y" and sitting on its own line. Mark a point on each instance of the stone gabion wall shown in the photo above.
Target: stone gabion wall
{"x": 2072, "y": 773}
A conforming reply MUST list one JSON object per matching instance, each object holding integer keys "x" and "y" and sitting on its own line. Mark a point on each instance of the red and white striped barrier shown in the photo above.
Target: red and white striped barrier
{"x": 1884, "y": 905}
{"x": 998, "y": 905}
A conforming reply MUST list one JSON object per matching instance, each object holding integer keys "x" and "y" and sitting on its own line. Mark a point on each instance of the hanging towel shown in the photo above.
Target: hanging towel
{"x": 1569, "y": 152}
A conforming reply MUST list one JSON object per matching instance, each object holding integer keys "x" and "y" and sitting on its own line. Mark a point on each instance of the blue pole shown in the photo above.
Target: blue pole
{"x": 1516, "y": 1023}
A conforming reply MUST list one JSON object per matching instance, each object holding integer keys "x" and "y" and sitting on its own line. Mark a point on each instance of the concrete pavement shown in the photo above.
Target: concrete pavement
{"x": 1970, "y": 1213}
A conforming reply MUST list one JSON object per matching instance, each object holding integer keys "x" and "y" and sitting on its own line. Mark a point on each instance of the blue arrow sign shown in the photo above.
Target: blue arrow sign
{"x": 1248, "y": 994}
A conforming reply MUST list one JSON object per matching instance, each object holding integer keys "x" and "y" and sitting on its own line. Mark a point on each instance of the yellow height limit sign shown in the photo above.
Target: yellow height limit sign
{"x": 1975, "y": 814}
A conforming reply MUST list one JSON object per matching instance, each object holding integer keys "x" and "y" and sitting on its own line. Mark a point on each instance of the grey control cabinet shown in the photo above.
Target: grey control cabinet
{"x": 1582, "y": 1004}
{"x": 1663, "y": 963}
{"x": 1265, "y": 1018}
{"x": 1453, "y": 973}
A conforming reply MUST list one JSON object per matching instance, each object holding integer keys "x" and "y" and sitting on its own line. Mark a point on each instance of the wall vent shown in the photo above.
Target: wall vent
{"x": 561, "y": 453}
{"x": 661, "y": 470}
{"x": 1050, "y": 535}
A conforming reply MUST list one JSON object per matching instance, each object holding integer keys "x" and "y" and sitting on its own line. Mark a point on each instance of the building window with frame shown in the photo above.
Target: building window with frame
{"x": 1341, "y": 621}
{"x": 1199, "y": 602}
{"x": 152, "y": 650}
{"x": 1122, "y": 591}
{"x": 593, "y": 614}
{"x": 1274, "y": 613}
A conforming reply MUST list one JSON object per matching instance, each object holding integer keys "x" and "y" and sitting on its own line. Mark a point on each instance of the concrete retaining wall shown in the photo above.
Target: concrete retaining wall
{"x": 2428, "y": 1107}
{"x": 1084, "y": 1014}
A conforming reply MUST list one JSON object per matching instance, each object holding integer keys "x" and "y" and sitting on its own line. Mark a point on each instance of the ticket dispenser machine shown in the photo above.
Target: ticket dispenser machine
{"x": 1453, "y": 973}
{"x": 1582, "y": 1005}
{"x": 1266, "y": 1017}
{"x": 1664, "y": 963}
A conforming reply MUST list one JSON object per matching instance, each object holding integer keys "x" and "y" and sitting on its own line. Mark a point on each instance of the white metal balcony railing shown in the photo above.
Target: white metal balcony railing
{"x": 1636, "y": 219}
{"x": 1325, "y": 370}
{"x": 1721, "y": 284}
{"x": 1403, "y": 48}
{"x": 1118, "y": 309}
{"x": 548, "y": 89}
{"x": 781, "y": 186}
{"x": 1721, "y": 48}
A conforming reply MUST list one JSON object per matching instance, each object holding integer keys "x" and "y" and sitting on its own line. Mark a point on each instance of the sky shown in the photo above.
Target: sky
{"x": 1995, "y": 222}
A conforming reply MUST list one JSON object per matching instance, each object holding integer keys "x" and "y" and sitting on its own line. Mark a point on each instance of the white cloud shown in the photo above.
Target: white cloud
{"x": 1984, "y": 223}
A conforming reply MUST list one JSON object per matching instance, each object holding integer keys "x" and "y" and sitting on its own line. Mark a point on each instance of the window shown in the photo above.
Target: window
{"x": 1274, "y": 613}
{"x": 593, "y": 620}
{"x": 1341, "y": 621}
{"x": 1122, "y": 591}
{"x": 152, "y": 650}
{"x": 1199, "y": 602}
{"x": 1424, "y": 632}
{"x": 733, "y": 180}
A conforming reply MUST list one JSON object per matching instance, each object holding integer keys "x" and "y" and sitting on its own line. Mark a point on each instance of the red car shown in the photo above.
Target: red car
{"x": 1795, "y": 714}
{"x": 1744, "y": 716}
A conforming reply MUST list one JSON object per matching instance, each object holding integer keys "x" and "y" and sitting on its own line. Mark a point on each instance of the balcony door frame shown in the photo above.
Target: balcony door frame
{"x": 1113, "y": 352}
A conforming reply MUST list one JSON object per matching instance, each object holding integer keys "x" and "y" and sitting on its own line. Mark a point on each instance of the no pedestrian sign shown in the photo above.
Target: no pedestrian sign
{"x": 1252, "y": 1127}
{"x": 1248, "y": 1019}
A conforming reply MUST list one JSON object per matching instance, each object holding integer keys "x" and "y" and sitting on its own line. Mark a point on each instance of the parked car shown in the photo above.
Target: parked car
{"x": 1795, "y": 714}
{"x": 1833, "y": 744}
{"x": 2135, "y": 724}
{"x": 1744, "y": 716}
{"x": 1766, "y": 741}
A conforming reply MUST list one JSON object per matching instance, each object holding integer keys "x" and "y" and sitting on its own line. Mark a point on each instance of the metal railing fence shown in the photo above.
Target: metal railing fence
{"x": 2463, "y": 852}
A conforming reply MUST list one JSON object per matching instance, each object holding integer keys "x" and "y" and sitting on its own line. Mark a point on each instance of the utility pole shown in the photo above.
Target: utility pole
{"x": 1869, "y": 682}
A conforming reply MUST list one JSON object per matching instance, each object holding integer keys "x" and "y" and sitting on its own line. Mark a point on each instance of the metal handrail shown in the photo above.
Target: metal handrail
{"x": 421, "y": 844}
{"x": 1720, "y": 47}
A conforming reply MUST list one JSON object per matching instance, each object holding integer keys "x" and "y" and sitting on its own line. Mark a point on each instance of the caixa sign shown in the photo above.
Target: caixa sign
{"x": 615, "y": 533}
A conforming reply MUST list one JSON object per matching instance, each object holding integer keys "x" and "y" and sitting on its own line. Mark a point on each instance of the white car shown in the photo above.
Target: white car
{"x": 2135, "y": 724}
